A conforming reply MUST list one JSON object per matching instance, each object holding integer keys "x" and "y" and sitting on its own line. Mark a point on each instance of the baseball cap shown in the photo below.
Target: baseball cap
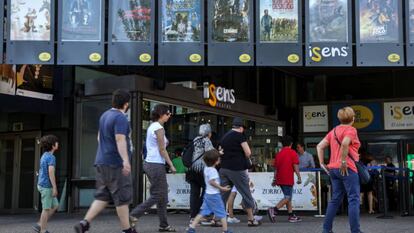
{"x": 237, "y": 121}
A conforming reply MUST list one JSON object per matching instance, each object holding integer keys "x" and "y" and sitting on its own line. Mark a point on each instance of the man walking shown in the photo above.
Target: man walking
{"x": 113, "y": 168}
{"x": 286, "y": 164}
{"x": 305, "y": 158}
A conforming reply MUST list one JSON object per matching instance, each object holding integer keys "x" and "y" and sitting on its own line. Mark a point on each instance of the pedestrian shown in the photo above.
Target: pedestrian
{"x": 390, "y": 173}
{"x": 234, "y": 163}
{"x": 194, "y": 176}
{"x": 178, "y": 161}
{"x": 112, "y": 163}
{"x": 286, "y": 163}
{"x": 154, "y": 168}
{"x": 305, "y": 158}
{"x": 46, "y": 184}
{"x": 344, "y": 143}
{"x": 368, "y": 188}
{"x": 213, "y": 202}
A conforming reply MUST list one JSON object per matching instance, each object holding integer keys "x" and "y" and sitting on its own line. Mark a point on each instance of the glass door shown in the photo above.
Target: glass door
{"x": 409, "y": 161}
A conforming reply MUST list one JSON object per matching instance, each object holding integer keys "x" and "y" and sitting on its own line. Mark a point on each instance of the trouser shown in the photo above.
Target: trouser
{"x": 240, "y": 179}
{"x": 342, "y": 185}
{"x": 196, "y": 196}
{"x": 158, "y": 193}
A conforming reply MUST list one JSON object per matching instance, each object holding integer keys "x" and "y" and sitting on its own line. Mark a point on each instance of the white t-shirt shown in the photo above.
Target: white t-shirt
{"x": 153, "y": 153}
{"x": 210, "y": 173}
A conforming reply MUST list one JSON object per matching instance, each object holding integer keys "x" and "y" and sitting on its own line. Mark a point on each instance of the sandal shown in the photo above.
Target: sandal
{"x": 166, "y": 229}
{"x": 253, "y": 223}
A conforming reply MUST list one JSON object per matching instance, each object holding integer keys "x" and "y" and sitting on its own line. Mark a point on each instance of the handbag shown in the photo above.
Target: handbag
{"x": 363, "y": 172}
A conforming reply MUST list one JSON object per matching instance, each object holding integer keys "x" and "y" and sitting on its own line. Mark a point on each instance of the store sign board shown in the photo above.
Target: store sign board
{"x": 368, "y": 116}
{"x": 30, "y": 37}
{"x": 217, "y": 96}
{"x": 399, "y": 115}
{"x": 315, "y": 118}
{"x": 266, "y": 196}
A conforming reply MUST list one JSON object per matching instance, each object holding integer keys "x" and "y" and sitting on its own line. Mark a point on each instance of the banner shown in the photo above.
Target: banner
{"x": 368, "y": 116}
{"x": 304, "y": 195}
{"x": 7, "y": 79}
{"x": 315, "y": 119}
{"x": 35, "y": 81}
{"x": 399, "y": 115}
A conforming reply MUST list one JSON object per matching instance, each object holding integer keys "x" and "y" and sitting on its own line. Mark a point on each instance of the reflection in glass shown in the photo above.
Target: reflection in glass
{"x": 30, "y": 20}
{"x": 231, "y": 22}
{"x": 279, "y": 21}
{"x": 378, "y": 21}
{"x": 81, "y": 20}
{"x": 328, "y": 20}
{"x": 131, "y": 20}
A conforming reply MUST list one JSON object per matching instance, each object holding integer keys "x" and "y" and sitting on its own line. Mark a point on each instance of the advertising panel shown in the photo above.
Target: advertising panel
{"x": 81, "y": 20}
{"x": 399, "y": 115}
{"x": 279, "y": 21}
{"x": 315, "y": 118}
{"x": 7, "y": 79}
{"x": 230, "y": 21}
{"x": 30, "y": 20}
{"x": 410, "y": 17}
{"x": 181, "y": 20}
{"x": 131, "y": 20}
{"x": 35, "y": 81}
{"x": 368, "y": 116}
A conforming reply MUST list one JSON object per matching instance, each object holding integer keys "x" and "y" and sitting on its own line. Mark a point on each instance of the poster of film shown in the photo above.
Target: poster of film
{"x": 81, "y": 20}
{"x": 7, "y": 79}
{"x": 411, "y": 20}
{"x": 230, "y": 22}
{"x": 378, "y": 21}
{"x": 279, "y": 21}
{"x": 181, "y": 20}
{"x": 30, "y": 20}
{"x": 328, "y": 21}
{"x": 35, "y": 81}
{"x": 131, "y": 20}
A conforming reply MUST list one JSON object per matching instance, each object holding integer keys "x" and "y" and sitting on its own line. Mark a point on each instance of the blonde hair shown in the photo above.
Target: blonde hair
{"x": 346, "y": 115}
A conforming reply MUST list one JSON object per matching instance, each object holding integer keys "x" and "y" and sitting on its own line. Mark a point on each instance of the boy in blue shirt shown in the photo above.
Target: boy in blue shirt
{"x": 47, "y": 181}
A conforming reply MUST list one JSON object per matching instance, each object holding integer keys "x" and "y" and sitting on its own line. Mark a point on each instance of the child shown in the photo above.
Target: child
{"x": 212, "y": 203}
{"x": 47, "y": 182}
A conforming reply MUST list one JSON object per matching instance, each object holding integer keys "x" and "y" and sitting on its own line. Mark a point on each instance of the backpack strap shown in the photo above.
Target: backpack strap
{"x": 199, "y": 157}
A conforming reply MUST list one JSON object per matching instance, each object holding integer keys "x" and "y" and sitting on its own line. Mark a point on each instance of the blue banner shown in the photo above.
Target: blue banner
{"x": 368, "y": 116}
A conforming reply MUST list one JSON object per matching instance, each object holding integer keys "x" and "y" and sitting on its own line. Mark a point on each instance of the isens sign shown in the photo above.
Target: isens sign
{"x": 317, "y": 54}
{"x": 217, "y": 96}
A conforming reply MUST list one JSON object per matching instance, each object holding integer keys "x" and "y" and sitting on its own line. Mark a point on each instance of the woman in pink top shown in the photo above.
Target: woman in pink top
{"x": 343, "y": 141}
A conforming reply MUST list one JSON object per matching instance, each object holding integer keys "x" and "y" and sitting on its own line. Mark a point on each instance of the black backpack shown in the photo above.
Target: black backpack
{"x": 187, "y": 155}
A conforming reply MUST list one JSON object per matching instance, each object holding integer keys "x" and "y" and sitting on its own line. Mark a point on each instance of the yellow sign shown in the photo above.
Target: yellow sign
{"x": 245, "y": 58}
{"x": 45, "y": 57}
{"x": 363, "y": 116}
{"x": 393, "y": 57}
{"x": 145, "y": 57}
{"x": 95, "y": 57}
{"x": 293, "y": 58}
{"x": 195, "y": 58}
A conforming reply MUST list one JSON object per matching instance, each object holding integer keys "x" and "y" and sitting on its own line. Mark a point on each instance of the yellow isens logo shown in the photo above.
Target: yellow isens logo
{"x": 145, "y": 57}
{"x": 363, "y": 116}
{"x": 393, "y": 57}
{"x": 45, "y": 57}
{"x": 293, "y": 58}
{"x": 195, "y": 58}
{"x": 245, "y": 58}
{"x": 95, "y": 57}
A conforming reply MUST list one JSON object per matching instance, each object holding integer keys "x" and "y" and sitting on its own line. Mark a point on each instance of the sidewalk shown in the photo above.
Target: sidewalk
{"x": 62, "y": 223}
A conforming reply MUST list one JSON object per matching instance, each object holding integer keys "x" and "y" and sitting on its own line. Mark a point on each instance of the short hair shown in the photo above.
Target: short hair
{"x": 158, "y": 111}
{"x": 47, "y": 142}
{"x": 287, "y": 140}
{"x": 119, "y": 98}
{"x": 346, "y": 115}
{"x": 204, "y": 130}
{"x": 302, "y": 144}
{"x": 211, "y": 157}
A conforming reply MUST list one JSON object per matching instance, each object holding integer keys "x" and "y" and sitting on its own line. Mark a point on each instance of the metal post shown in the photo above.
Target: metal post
{"x": 384, "y": 196}
{"x": 319, "y": 215}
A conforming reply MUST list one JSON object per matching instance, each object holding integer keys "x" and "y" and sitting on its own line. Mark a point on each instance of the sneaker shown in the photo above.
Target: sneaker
{"x": 36, "y": 228}
{"x": 206, "y": 222}
{"x": 233, "y": 220}
{"x": 82, "y": 227}
{"x": 271, "y": 213}
{"x": 133, "y": 221}
{"x": 258, "y": 218}
{"x": 294, "y": 218}
{"x": 228, "y": 231}
{"x": 191, "y": 230}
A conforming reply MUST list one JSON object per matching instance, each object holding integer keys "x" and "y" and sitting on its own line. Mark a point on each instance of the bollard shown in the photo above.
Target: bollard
{"x": 384, "y": 196}
{"x": 319, "y": 215}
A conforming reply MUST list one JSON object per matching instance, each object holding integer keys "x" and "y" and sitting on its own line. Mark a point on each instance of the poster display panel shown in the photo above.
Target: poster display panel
{"x": 7, "y": 79}
{"x": 1, "y": 29}
{"x": 35, "y": 81}
{"x": 409, "y": 6}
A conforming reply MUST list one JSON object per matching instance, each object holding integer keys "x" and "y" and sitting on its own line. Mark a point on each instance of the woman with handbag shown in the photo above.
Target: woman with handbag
{"x": 344, "y": 144}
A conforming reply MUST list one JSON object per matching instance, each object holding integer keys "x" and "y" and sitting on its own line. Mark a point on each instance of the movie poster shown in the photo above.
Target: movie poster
{"x": 379, "y": 21}
{"x": 181, "y": 20}
{"x": 411, "y": 20}
{"x": 279, "y": 21}
{"x": 230, "y": 21}
{"x": 81, "y": 20}
{"x": 7, "y": 79}
{"x": 328, "y": 21}
{"x": 30, "y": 20}
{"x": 35, "y": 81}
{"x": 131, "y": 20}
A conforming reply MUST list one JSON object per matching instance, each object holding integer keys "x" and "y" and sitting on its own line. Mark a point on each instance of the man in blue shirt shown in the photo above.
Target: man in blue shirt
{"x": 113, "y": 168}
{"x": 305, "y": 158}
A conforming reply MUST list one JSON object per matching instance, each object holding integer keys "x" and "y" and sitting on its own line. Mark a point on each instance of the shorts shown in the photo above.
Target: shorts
{"x": 48, "y": 201}
{"x": 112, "y": 185}
{"x": 287, "y": 191}
{"x": 213, "y": 203}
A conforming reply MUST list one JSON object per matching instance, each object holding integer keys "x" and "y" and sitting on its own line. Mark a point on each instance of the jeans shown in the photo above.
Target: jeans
{"x": 196, "y": 196}
{"x": 342, "y": 185}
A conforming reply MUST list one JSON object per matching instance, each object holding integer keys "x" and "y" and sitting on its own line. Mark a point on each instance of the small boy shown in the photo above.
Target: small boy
{"x": 47, "y": 181}
{"x": 212, "y": 203}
